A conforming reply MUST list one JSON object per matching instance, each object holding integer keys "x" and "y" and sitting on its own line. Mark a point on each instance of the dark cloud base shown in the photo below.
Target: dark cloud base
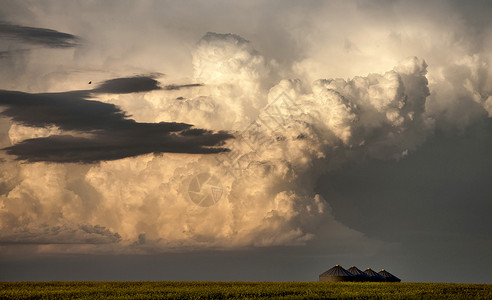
{"x": 49, "y": 235}
{"x": 128, "y": 85}
{"x": 103, "y": 147}
{"x": 137, "y": 84}
{"x": 37, "y": 36}
{"x": 178, "y": 87}
{"x": 109, "y": 134}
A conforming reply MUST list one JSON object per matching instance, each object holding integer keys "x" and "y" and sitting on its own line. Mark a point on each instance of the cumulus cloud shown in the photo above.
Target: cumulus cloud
{"x": 453, "y": 39}
{"x": 347, "y": 94}
{"x": 286, "y": 136}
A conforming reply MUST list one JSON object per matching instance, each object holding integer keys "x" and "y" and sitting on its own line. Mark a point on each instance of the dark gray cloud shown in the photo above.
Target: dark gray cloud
{"x": 12, "y": 53}
{"x": 178, "y": 87}
{"x": 67, "y": 110}
{"x": 112, "y": 135}
{"x": 213, "y": 36}
{"x": 128, "y": 85}
{"x": 435, "y": 203}
{"x": 114, "y": 145}
{"x": 82, "y": 234}
{"x": 136, "y": 84}
{"x": 37, "y": 36}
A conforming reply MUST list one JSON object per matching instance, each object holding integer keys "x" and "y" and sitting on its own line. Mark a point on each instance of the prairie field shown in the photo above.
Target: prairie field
{"x": 240, "y": 290}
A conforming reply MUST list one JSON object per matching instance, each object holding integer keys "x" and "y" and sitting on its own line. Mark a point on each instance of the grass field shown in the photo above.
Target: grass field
{"x": 241, "y": 290}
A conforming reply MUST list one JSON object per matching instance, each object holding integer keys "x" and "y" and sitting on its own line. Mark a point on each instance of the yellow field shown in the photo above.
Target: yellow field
{"x": 241, "y": 290}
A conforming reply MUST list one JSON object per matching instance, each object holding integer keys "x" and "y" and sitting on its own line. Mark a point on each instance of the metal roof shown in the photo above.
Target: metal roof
{"x": 337, "y": 271}
{"x": 388, "y": 276}
{"x": 373, "y": 275}
{"x": 355, "y": 271}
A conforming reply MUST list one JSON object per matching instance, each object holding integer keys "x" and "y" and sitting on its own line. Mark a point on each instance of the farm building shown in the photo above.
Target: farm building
{"x": 338, "y": 273}
{"x": 359, "y": 275}
{"x": 373, "y": 276}
{"x": 388, "y": 276}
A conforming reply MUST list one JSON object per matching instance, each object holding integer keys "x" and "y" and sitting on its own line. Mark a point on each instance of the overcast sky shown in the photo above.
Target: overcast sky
{"x": 253, "y": 140}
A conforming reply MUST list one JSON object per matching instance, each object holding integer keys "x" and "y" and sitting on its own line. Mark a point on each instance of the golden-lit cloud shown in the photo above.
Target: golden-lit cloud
{"x": 292, "y": 115}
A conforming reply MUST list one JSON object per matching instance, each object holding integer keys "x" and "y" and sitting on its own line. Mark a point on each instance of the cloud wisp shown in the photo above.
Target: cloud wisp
{"x": 138, "y": 84}
{"x": 171, "y": 87}
{"x": 104, "y": 131}
{"x": 128, "y": 85}
{"x": 38, "y": 36}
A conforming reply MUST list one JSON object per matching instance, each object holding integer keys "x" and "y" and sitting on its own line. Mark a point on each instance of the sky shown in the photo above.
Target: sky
{"x": 245, "y": 140}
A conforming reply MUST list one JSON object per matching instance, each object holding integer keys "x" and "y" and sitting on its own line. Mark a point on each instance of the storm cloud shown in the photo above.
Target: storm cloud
{"x": 320, "y": 95}
{"x": 111, "y": 134}
{"x": 38, "y": 36}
